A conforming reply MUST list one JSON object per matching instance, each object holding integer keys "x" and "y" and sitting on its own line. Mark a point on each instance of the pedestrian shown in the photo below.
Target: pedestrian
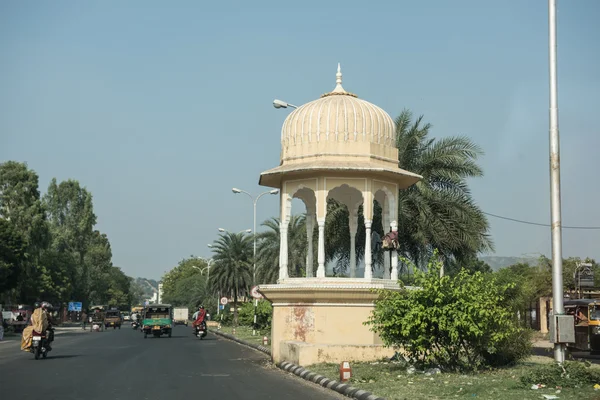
{"x": 84, "y": 319}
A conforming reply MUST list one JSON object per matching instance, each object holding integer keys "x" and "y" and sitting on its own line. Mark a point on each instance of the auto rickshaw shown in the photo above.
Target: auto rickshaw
{"x": 587, "y": 324}
{"x": 112, "y": 318}
{"x": 157, "y": 320}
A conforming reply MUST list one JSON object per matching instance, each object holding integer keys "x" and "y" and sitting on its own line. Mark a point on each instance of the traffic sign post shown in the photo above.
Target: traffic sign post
{"x": 224, "y": 300}
{"x": 255, "y": 293}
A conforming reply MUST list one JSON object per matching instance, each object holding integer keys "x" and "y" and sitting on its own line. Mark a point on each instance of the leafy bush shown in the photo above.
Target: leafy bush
{"x": 455, "y": 322}
{"x": 264, "y": 313}
{"x": 571, "y": 374}
{"x": 516, "y": 346}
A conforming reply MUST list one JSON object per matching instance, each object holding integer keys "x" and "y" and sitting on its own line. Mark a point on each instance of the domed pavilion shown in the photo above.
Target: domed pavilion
{"x": 343, "y": 148}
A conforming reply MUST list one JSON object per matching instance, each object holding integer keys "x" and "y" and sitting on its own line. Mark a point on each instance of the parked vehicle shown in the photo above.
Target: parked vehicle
{"x": 586, "y": 314}
{"x": 112, "y": 319}
{"x": 157, "y": 320}
{"x": 181, "y": 315}
{"x": 17, "y": 316}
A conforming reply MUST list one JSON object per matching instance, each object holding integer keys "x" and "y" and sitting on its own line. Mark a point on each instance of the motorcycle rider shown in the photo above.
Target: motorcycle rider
{"x": 199, "y": 317}
{"x": 39, "y": 323}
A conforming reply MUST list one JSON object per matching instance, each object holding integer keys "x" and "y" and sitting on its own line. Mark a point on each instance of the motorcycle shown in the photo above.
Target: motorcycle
{"x": 200, "y": 330}
{"x": 40, "y": 344}
{"x": 135, "y": 325}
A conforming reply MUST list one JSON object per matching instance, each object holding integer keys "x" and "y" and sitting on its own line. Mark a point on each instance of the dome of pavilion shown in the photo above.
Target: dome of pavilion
{"x": 338, "y": 133}
{"x": 336, "y": 123}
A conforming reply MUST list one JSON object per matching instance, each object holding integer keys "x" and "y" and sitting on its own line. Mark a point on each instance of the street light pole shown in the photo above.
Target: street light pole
{"x": 557, "y": 267}
{"x": 254, "y": 202}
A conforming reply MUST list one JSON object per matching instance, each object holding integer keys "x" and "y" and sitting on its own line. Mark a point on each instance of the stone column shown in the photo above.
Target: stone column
{"x": 353, "y": 222}
{"x": 310, "y": 225}
{"x": 283, "y": 250}
{"x": 368, "y": 256}
{"x": 321, "y": 249}
{"x": 394, "y": 275}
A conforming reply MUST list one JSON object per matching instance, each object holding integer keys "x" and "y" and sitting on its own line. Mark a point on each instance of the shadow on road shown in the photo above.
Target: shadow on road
{"x": 60, "y": 356}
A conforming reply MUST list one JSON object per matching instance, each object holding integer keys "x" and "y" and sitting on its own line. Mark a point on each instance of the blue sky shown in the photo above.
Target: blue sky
{"x": 159, "y": 109}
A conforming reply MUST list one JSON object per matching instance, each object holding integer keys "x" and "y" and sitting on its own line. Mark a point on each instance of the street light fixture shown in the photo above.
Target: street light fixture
{"x": 282, "y": 104}
{"x": 254, "y": 201}
{"x": 222, "y": 230}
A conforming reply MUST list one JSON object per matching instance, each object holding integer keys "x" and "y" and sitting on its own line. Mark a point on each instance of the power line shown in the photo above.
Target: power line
{"x": 538, "y": 224}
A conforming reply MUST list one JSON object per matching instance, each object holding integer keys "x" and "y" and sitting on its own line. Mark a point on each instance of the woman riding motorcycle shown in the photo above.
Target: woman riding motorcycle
{"x": 39, "y": 323}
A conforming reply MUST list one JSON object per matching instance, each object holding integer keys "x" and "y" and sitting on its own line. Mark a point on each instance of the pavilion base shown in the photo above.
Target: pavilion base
{"x": 305, "y": 354}
{"x": 322, "y": 320}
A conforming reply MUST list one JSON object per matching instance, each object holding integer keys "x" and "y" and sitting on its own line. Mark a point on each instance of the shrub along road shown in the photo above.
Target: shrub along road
{"x": 122, "y": 364}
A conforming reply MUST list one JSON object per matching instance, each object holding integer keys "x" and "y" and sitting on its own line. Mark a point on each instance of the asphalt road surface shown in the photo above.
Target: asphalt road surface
{"x": 121, "y": 364}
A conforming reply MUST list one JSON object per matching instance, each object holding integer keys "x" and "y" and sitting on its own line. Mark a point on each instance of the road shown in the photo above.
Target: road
{"x": 121, "y": 364}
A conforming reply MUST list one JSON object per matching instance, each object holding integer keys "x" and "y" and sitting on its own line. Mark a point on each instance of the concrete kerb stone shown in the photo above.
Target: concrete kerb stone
{"x": 240, "y": 341}
{"x": 303, "y": 373}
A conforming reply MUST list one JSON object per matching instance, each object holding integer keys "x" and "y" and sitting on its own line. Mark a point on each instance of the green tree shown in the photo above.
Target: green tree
{"x": 12, "y": 257}
{"x": 458, "y": 322}
{"x": 439, "y": 212}
{"x": 98, "y": 259}
{"x": 20, "y": 204}
{"x": 471, "y": 264}
{"x": 232, "y": 271}
{"x": 71, "y": 215}
{"x": 267, "y": 249}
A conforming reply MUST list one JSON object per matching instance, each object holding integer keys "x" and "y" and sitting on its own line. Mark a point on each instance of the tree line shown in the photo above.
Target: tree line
{"x": 49, "y": 247}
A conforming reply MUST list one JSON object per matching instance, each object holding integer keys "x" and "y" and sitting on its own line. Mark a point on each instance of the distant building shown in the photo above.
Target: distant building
{"x": 160, "y": 293}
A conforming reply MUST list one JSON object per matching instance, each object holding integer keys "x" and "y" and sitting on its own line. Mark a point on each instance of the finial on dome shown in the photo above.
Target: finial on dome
{"x": 339, "y": 90}
{"x": 338, "y": 81}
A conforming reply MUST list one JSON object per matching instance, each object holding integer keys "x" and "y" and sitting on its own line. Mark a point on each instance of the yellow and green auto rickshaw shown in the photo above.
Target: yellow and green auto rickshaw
{"x": 587, "y": 324}
{"x": 157, "y": 320}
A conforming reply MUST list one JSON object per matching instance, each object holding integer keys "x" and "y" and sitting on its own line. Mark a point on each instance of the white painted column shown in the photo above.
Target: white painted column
{"x": 310, "y": 221}
{"x": 283, "y": 251}
{"x": 353, "y": 222}
{"x": 321, "y": 249}
{"x": 368, "y": 256}
{"x": 394, "y": 275}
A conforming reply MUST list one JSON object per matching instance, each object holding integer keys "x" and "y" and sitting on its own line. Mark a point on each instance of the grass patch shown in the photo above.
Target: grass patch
{"x": 392, "y": 382}
{"x": 245, "y": 333}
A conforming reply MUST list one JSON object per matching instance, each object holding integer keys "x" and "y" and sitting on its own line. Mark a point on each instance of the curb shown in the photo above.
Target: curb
{"x": 240, "y": 341}
{"x": 342, "y": 388}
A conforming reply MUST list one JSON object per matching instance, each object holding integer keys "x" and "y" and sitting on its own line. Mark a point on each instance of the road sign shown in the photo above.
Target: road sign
{"x": 221, "y": 306}
{"x": 146, "y": 302}
{"x": 75, "y": 306}
{"x": 254, "y": 292}
{"x": 224, "y": 300}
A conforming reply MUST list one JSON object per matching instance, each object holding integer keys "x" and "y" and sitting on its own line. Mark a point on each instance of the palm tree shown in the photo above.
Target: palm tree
{"x": 267, "y": 252}
{"x": 436, "y": 213}
{"x": 232, "y": 272}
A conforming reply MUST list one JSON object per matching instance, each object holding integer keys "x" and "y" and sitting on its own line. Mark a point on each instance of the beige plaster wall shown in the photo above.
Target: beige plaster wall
{"x": 333, "y": 324}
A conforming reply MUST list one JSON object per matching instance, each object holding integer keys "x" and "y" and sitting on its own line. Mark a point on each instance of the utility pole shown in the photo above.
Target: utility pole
{"x": 556, "y": 227}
